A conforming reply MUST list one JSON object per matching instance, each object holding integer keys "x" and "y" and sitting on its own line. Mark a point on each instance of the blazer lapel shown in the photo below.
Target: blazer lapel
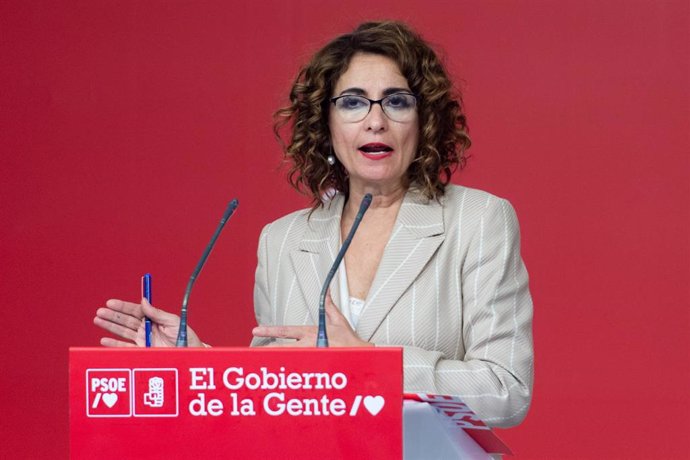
{"x": 416, "y": 236}
{"x": 316, "y": 252}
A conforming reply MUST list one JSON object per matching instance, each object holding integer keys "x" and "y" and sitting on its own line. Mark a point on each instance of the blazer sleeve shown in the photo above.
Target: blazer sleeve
{"x": 262, "y": 304}
{"x": 494, "y": 377}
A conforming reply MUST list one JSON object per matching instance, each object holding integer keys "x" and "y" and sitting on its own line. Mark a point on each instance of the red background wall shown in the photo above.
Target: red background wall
{"x": 127, "y": 126}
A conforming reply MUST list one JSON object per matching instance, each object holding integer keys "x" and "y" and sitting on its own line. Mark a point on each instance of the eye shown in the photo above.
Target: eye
{"x": 351, "y": 103}
{"x": 400, "y": 101}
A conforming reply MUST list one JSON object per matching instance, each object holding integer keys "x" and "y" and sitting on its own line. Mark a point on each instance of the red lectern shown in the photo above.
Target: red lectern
{"x": 262, "y": 403}
{"x": 236, "y": 403}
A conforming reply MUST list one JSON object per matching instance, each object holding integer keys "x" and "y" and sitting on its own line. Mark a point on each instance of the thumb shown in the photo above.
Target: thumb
{"x": 333, "y": 313}
{"x": 157, "y": 315}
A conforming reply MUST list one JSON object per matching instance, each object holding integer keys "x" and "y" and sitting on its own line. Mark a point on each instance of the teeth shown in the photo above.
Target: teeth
{"x": 375, "y": 150}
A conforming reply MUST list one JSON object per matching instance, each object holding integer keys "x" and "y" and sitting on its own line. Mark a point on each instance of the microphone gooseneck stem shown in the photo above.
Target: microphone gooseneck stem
{"x": 322, "y": 336}
{"x": 182, "y": 332}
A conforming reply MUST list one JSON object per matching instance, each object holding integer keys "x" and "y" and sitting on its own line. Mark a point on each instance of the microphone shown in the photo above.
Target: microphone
{"x": 182, "y": 332}
{"x": 322, "y": 337}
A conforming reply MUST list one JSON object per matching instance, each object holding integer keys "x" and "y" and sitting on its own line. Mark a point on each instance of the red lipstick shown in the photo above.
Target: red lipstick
{"x": 376, "y": 151}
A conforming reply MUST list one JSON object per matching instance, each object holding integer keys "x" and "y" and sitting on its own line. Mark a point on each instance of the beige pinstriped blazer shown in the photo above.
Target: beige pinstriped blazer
{"x": 451, "y": 289}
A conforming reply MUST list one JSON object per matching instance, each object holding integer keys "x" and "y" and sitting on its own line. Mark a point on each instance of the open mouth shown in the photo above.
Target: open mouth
{"x": 375, "y": 150}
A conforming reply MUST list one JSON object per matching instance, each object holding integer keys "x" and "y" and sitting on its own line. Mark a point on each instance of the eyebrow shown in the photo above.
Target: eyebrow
{"x": 386, "y": 92}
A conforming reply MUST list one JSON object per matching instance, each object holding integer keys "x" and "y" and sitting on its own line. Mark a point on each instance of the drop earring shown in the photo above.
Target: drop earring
{"x": 331, "y": 157}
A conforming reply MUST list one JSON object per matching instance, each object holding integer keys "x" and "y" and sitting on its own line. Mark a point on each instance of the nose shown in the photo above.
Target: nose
{"x": 376, "y": 120}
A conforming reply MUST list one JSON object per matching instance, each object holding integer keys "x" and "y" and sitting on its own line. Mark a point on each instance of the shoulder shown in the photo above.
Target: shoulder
{"x": 471, "y": 207}
{"x": 291, "y": 228}
{"x": 288, "y": 221}
{"x": 471, "y": 198}
{"x": 279, "y": 229}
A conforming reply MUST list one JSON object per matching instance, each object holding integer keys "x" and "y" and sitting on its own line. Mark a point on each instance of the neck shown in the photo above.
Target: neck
{"x": 383, "y": 200}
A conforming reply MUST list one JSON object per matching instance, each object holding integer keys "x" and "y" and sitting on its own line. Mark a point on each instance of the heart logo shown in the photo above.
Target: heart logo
{"x": 110, "y": 399}
{"x": 374, "y": 404}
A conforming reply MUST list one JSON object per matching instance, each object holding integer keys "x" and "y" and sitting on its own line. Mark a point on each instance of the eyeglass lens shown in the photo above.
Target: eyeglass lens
{"x": 400, "y": 107}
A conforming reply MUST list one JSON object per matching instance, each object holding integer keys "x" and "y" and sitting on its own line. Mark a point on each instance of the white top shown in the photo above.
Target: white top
{"x": 350, "y": 307}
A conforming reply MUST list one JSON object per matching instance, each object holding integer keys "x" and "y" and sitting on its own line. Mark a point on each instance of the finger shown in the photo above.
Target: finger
{"x": 159, "y": 316}
{"x": 282, "y": 332}
{"x": 116, "y": 329}
{"x": 277, "y": 345}
{"x": 140, "y": 336}
{"x": 119, "y": 318}
{"x": 333, "y": 313}
{"x": 293, "y": 344}
{"x": 128, "y": 308}
{"x": 110, "y": 342}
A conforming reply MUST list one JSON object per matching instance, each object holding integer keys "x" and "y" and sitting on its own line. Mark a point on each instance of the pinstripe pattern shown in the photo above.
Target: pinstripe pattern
{"x": 451, "y": 289}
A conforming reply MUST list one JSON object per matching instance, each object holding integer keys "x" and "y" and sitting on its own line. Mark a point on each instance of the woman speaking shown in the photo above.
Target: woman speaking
{"x": 434, "y": 268}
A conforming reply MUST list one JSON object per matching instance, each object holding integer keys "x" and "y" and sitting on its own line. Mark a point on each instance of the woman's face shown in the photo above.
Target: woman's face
{"x": 376, "y": 151}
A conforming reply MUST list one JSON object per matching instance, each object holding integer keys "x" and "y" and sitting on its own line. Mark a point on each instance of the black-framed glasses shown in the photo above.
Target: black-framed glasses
{"x": 400, "y": 107}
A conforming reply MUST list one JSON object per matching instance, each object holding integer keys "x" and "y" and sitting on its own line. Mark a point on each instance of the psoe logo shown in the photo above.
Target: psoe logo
{"x": 156, "y": 393}
{"x": 108, "y": 393}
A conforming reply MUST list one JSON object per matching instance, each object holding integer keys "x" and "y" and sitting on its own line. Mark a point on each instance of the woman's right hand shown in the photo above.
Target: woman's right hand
{"x": 126, "y": 320}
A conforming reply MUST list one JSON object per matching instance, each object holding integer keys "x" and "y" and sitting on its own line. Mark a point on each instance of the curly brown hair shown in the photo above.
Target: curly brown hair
{"x": 443, "y": 137}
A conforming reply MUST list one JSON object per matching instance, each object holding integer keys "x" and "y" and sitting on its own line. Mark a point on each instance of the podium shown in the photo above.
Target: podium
{"x": 254, "y": 403}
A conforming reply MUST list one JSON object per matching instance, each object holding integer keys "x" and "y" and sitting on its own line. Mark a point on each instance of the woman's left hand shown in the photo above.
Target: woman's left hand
{"x": 340, "y": 333}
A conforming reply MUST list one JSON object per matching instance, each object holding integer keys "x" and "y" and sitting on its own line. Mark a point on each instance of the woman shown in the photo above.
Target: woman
{"x": 434, "y": 268}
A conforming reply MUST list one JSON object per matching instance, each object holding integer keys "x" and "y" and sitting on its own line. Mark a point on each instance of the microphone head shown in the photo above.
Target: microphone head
{"x": 366, "y": 201}
{"x": 231, "y": 207}
{"x": 229, "y": 210}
